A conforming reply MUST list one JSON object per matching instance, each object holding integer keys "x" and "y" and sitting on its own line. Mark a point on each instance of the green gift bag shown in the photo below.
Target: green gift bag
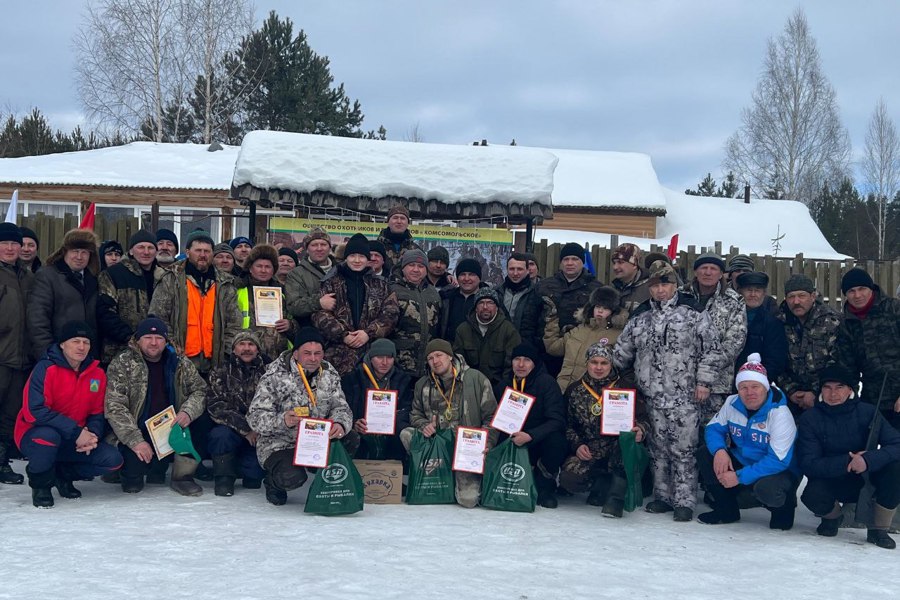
{"x": 635, "y": 458}
{"x": 338, "y": 488}
{"x": 508, "y": 482}
{"x": 431, "y": 469}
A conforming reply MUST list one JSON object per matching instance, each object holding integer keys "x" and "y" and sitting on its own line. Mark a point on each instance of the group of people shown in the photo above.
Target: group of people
{"x": 735, "y": 394}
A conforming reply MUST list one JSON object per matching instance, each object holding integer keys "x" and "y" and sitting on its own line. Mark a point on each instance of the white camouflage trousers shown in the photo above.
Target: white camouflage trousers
{"x": 674, "y": 433}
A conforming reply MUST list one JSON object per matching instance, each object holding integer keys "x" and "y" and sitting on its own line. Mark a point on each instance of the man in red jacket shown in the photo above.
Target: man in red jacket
{"x": 61, "y": 422}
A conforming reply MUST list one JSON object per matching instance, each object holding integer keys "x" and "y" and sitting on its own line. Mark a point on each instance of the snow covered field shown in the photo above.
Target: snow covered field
{"x": 160, "y": 545}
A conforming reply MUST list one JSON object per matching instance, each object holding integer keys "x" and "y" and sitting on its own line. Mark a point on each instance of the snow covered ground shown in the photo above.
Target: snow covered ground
{"x": 160, "y": 545}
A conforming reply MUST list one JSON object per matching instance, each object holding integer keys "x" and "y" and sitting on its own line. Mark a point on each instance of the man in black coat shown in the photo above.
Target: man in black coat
{"x": 457, "y": 302}
{"x": 831, "y": 451}
{"x": 520, "y": 299}
{"x": 765, "y": 333}
{"x": 377, "y": 371}
{"x": 545, "y": 428}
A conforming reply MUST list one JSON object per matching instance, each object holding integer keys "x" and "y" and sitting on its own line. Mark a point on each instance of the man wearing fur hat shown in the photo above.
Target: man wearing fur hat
{"x": 16, "y": 281}
{"x": 126, "y": 290}
{"x": 868, "y": 343}
{"x": 726, "y": 310}
{"x": 420, "y": 312}
{"x": 630, "y": 278}
{"x": 379, "y": 370}
{"x": 143, "y": 380}
{"x": 65, "y": 290}
{"x": 811, "y": 328}
{"x": 396, "y": 236}
{"x": 260, "y": 267}
{"x": 449, "y": 395}
{"x": 302, "y": 287}
{"x": 674, "y": 348}
{"x": 457, "y": 302}
{"x": 232, "y": 442}
{"x": 300, "y": 383}
{"x": 487, "y": 338}
{"x": 750, "y": 443}
{"x": 198, "y": 303}
{"x": 520, "y": 299}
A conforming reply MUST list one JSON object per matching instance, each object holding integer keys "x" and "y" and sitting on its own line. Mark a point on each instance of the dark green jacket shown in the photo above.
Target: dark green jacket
{"x": 491, "y": 352}
{"x": 15, "y": 287}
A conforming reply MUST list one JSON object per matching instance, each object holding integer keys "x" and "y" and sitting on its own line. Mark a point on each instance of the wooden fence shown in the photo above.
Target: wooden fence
{"x": 826, "y": 274}
{"x": 51, "y": 230}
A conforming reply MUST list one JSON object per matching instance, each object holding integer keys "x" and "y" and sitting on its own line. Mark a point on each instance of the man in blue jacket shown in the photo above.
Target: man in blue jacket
{"x": 750, "y": 442}
{"x": 831, "y": 450}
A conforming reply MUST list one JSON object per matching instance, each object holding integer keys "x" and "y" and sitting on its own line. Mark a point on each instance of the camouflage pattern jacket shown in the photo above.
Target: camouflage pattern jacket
{"x": 395, "y": 249}
{"x": 418, "y": 322}
{"x": 281, "y": 389}
{"x": 377, "y": 318}
{"x": 122, "y": 304}
{"x": 632, "y": 295}
{"x": 871, "y": 347}
{"x": 811, "y": 344}
{"x": 301, "y": 290}
{"x": 127, "y": 387}
{"x": 170, "y": 304}
{"x": 583, "y": 423}
{"x": 673, "y": 347}
{"x": 231, "y": 390}
{"x": 473, "y": 402}
{"x": 728, "y": 312}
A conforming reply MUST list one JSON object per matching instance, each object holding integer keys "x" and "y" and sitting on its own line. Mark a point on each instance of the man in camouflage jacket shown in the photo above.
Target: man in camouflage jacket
{"x": 232, "y": 442}
{"x": 282, "y": 399}
{"x": 419, "y": 306}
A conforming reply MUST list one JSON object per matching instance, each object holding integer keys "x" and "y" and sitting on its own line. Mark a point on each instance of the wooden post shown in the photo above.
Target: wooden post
{"x": 154, "y": 217}
{"x": 252, "y": 235}
{"x": 529, "y": 234}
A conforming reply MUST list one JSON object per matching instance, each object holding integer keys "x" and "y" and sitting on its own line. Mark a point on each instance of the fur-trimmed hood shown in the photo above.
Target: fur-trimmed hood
{"x": 78, "y": 239}
{"x": 606, "y": 296}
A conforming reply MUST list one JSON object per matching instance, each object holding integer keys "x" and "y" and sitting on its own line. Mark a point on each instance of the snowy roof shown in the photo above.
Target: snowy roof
{"x": 609, "y": 180}
{"x": 702, "y": 221}
{"x": 303, "y": 169}
{"x": 135, "y": 165}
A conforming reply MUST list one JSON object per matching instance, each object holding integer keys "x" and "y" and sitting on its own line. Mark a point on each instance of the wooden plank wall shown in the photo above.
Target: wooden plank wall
{"x": 51, "y": 230}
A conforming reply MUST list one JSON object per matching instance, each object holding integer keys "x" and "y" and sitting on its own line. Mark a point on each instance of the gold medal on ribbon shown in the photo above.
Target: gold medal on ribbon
{"x": 596, "y": 409}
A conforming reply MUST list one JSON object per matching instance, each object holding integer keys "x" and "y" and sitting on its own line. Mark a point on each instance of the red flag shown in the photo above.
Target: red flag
{"x": 87, "y": 222}
{"x": 673, "y": 248}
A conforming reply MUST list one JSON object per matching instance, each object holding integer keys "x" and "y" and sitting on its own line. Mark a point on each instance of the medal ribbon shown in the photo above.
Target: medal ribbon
{"x": 312, "y": 397}
{"x": 597, "y": 396}
{"x": 448, "y": 399}
{"x": 517, "y": 389}
{"x": 371, "y": 377}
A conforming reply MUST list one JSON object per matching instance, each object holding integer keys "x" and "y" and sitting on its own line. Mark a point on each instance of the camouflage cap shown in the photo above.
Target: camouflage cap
{"x": 601, "y": 348}
{"x": 629, "y": 253}
{"x": 245, "y": 335}
{"x": 487, "y": 293}
{"x": 662, "y": 272}
{"x": 316, "y": 233}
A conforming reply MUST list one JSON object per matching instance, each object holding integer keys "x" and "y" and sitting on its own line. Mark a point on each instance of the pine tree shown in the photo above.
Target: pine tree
{"x": 729, "y": 187}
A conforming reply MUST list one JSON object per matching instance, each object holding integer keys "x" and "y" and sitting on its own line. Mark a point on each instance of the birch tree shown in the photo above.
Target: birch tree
{"x": 881, "y": 170}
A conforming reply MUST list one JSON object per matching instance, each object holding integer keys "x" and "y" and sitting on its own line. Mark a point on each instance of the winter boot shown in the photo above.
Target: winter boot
{"x": 65, "y": 475}
{"x": 204, "y": 473}
{"x": 225, "y": 471}
{"x": 720, "y": 516}
{"x": 7, "y": 475}
{"x": 250, "y": 483}
{"x": 599, "y": 490}
{"x": 658, "y": 507}
{"x": 132, "y": 485}
{"x": 274, "y": 495}
{"x": 615, "y": 500}
{"x": 783, "y": 517}
{"x": 683, "y": 514}
{"x": 40, "y": 483}
{"x": 829, "y": 527}
{"x": 157, "y": 473}
{"x": 112, "y": 477}
{"x": 183, "y": 482}
{"x": 546, "y": 486}
{"x": 878, "y": 532}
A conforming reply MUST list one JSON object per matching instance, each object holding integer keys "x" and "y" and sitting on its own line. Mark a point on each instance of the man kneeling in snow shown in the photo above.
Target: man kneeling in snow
{"x": 761, "y": 430}
{"x": 298, "y": 384}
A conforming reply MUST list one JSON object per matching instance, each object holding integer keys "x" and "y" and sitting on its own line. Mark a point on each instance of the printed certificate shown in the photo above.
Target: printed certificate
{"x": 267, "y": 305}
{"x": 381, "y": 411}
{"x": 512, "y": 411}
{"x": 312, "y": 443}
{"x": 618, "y": 411}
{"x": 159, "y": 426}
{"x": 471, "y": 444}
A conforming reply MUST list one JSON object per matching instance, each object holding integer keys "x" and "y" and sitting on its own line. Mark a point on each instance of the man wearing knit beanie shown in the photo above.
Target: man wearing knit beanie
{"x": 28, "y": 254}
{"x": 438, "y": 263}
{"x": 126, "y": 290}
{"x": 223, "y": 257}
{"x": 486, "y": 339}
{"x": 867, "y": 344}
{"x": 452, "y": 394}
{"x": 242, "y": 247}
{"x": 396, "y": 237}
{"x": 811, "y": 328}
{"x": 419, "y": 305}
{"x": 544, "y": 429}
{"x": 738, "y": 265}
{"x": 167, "y": 247}
{"x": 287, "y": 262}
{"x": 735, "y": 457}
{"x": 302, "y": 285}
{"x": 378, "y": 260}
{"x": 458, "y": 301}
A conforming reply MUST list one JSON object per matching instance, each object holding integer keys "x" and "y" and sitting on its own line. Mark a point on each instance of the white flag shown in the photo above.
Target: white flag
{"x": 13, "y": 208}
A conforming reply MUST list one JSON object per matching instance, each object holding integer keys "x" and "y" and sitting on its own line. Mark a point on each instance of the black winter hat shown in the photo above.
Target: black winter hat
{"x": 835, "y": 372}
{"x": 572, "y": 249}
{"x": 856, "y": 277}
{"x": 74, "y": 329}
{"x": 29, "y": 233}
{"x": 605, "y": 296}
{"x": 709, "y": 258}
{"x": 166, "y": 234}
{"x": 306, "y": 335}
{"x": 528, "y": 351}
{"x": 291, "y": 253}
{"x": 141, "y": 236}
{"x": 151, "y": 326}
{"x": 376, "y": 246}
{"x": 753, "y": 279}
{"x": 439, "y": 253}
{"x": 468, "y": 265}
{"x": 358, "y": 244}
{"x": 10, "y": 233}
{"x": 798, "y": 282}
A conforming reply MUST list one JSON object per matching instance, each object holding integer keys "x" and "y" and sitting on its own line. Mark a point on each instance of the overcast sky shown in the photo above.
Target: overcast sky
{"x": 667, "y": 78}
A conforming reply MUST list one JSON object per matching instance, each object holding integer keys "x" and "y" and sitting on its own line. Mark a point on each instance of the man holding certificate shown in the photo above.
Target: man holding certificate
{"x": 380, "y": 395}
{"x": 146, "y": 379}
{"x": 262, "y": 302}
{"x": 452, "y": 395}
{"x": 531, "y": 411}
{"x": 299, "y": 385}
